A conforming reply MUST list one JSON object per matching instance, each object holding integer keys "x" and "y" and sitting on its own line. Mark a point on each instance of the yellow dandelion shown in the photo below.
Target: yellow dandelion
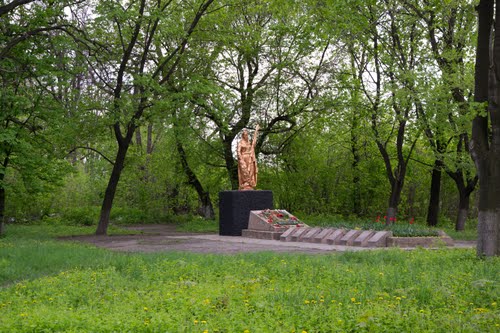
{"x": 246, "y": 331}
{"x": 203, "y": 321}
{"x": 353, "y": 299}
{"x": 145, "y": 308}
{"x": 205, "y": 331}
{"x": 195, "y": 322}
{"x": 306, "y": 301}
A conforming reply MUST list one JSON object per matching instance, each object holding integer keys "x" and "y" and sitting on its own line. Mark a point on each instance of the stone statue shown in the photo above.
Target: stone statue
{"x": 247, "y": 163}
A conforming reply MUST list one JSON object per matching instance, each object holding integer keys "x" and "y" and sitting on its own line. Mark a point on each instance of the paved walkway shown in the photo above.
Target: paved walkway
{"x": 156, "y": 238}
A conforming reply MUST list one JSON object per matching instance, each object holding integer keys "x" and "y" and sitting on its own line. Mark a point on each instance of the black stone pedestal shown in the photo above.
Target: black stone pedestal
{"x": 235, "y": 207}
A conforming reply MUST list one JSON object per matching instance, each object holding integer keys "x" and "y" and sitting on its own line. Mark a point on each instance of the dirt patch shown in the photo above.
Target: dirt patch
{"x": 158, "y": 238}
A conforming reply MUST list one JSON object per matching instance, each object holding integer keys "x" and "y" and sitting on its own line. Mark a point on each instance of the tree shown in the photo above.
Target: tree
{"x": 485, "y": 143}
{"x": 259, "y": 72}
{"x": 31, "y": 42}
{"x": 386, "y": 85}
{"x": 130, "y": 70}
{"x": 449, "y": 29}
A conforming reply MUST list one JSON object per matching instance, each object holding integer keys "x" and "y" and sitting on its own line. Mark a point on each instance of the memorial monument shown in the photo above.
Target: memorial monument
{"x": 247, "y": 162}
{"x": 235, "y": 206}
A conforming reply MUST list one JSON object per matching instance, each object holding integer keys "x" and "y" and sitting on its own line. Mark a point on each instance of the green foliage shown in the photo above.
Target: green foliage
{"x": 58, "y": 286}
{"x": 196, "y": 224}
{"x": 399, "y": 229}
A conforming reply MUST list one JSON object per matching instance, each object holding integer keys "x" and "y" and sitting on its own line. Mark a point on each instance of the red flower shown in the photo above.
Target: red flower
{"x": 412, "y": 220}
{"x": 378, "y": 219}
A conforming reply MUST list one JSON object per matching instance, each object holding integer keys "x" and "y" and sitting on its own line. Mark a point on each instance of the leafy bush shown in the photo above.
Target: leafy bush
{"x": 80, "y": 215}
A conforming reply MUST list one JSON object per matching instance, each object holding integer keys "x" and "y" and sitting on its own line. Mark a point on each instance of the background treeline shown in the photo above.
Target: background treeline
{"x": 130, "y": 110}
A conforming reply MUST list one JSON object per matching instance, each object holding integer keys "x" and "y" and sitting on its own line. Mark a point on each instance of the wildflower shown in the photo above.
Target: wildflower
{"x": 353, "y": 299}
{"x": 306, "y": 301}
{"x": 205, "y": 331}
{"x": 412, "y": 220}
{"x": 246, "y": 331}
{"x": 195, "y": 322}
{"x": 203, "y": 321}
{"x": 378, "y": 219}
{"x": 145, "y": 309}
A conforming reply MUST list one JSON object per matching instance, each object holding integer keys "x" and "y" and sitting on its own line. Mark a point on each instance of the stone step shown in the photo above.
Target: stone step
{"x": 354, "y": 237}
{"x": 363, "y": 238}
{"x": 349, "y": 237}
{"x": 309, "y": 235}
{"x": 298, "y": 234}
{"x": 333, "y": 237}
{"x": 287, "y": 235}
{"x": 319, "y": 237}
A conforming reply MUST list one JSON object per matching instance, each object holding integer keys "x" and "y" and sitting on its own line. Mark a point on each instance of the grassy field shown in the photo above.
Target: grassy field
{"x": 53, "y": 286}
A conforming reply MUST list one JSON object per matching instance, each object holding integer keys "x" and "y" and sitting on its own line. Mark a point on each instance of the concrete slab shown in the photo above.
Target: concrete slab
{"x": 308, "y": 237}
{"x": 287, "y": 235}
{"x": 261, "y": 234}
{"x": 362, "y": 239}
{"x": 323, "y": 234}
{"x": 349, "y": 237}
{"x": 334, "y": 237}
{"x": 379, "y": 239}
{"x": 297, "y": 235}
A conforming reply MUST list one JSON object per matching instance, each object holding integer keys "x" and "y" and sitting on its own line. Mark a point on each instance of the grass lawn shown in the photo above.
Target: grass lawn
{"x": 53, "y": 286}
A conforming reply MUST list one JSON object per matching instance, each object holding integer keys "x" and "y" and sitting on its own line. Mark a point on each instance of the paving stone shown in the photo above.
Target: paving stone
{"x": 321, "y": 235}
{"x": 308, "y": 237}
{"x": 334, "y": 237}
{"x": 287, "y": 235}
{"x": 362, "y": 239}
{"x": 349, "y": 237}
{"x": 379, "y": 239}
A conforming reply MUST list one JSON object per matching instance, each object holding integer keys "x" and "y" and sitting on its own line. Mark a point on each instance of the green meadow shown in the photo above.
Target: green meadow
{"x": 48, "y": 285}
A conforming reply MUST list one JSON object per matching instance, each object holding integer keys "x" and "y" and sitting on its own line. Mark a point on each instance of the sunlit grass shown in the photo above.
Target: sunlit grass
{"x": 79, "y": 288}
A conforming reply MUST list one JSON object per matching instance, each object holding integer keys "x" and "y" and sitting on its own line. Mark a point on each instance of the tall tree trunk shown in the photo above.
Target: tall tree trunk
{"x": 356, "y": 192}
{"x": 464, "y": 192}
{"x": 205, "y": 208}
{"x": 394, "y": 199}
{"x": 109, "y": 195}
{"x": 433, "y": 209}
{"x": 463, "y": 212}
{"x": 486, "y": 156}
